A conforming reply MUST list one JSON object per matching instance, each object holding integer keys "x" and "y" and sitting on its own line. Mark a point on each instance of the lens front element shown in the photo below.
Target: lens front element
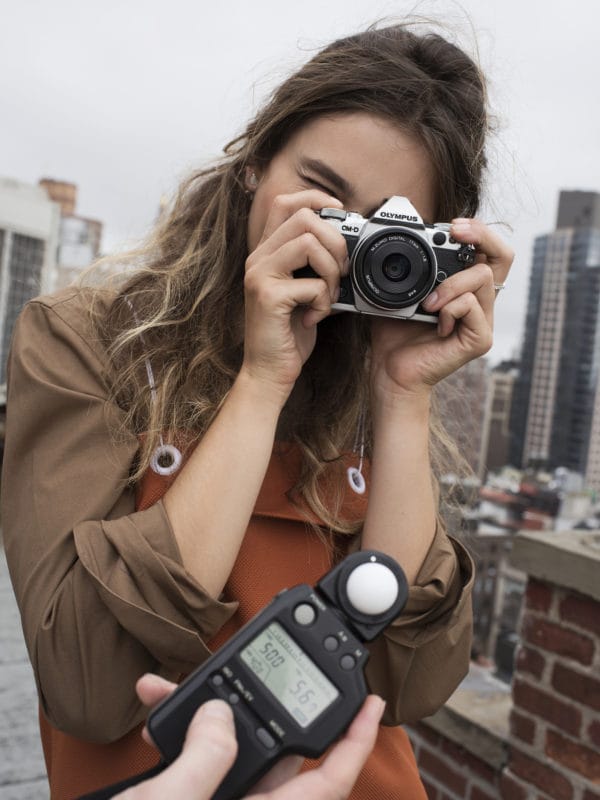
{"x": 393, "y": 269}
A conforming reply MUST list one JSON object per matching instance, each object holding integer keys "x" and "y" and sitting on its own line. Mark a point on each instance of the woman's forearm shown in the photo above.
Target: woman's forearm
{"x": 210, "y": 503}
{"x": 401, "y": 515}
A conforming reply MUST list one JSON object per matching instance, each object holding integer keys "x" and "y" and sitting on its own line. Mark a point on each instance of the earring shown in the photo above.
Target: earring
{"x": 355, "y": 476}
{"x": 251, "y": 180}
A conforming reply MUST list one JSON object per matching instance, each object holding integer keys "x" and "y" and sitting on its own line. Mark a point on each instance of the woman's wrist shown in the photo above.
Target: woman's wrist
{"x": 269, "y": 394}
{"x": 414, "y": 403}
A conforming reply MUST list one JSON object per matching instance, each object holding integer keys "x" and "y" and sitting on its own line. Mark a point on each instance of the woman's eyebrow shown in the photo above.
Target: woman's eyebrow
{"x": 330, "y": 175}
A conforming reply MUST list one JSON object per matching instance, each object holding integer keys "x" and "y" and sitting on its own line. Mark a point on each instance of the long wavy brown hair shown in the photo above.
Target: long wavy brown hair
{"x": 183, "y": 306}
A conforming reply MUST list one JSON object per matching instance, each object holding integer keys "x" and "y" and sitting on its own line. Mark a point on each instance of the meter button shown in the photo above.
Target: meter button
{"x": 347, "y": 662}
{"x": 304, "y": 614}
{"x": 217, "y": 680}
{"x": 264, "y": 737}
{"x": 234, "y": 698}
{"x": 331, "y": 643}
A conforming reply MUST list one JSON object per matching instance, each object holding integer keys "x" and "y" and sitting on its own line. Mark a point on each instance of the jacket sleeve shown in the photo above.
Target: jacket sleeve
{"x": 101, "y": 588}
{"x": 421, "y": 658}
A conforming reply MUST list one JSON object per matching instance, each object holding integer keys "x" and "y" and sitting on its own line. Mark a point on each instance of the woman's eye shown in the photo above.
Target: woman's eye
{"x": 320, "y": 186}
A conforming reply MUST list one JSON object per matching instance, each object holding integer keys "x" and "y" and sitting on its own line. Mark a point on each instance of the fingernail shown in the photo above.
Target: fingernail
{"x": 217, "y": 709}
{"x": 430, "y": 300}
{"x": 380, "y": 706}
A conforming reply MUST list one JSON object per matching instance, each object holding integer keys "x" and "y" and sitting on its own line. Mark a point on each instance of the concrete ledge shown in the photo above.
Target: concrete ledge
{"x": 476, "y": 717}
{"x": 566, "y": 558}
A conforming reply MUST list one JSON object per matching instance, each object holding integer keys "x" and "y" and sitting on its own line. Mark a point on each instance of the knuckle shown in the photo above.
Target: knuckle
{"x": 281, "y": 203}
{"x": 309, "y": 240}
{"x": 251, "y": 278}
{"x": 487, "y": 273}
{"x": 306, "y": 218}
{"x": 251, "y": 262}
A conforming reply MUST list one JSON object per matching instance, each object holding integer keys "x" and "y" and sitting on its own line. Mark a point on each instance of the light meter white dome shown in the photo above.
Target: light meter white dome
{"x": 372, "y": 588}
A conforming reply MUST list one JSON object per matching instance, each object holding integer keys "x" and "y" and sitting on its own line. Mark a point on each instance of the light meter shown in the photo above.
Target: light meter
{"x": 294, "y": 674}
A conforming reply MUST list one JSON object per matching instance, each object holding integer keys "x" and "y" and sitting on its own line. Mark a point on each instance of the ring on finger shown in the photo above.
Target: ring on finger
{"x": 499, "y": 286}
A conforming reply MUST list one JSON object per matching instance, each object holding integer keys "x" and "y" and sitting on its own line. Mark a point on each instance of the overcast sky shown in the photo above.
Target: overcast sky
{"x": 123, "y": 97}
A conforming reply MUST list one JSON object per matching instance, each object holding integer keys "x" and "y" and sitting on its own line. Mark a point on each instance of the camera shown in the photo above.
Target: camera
{"x": 396, "y": 260}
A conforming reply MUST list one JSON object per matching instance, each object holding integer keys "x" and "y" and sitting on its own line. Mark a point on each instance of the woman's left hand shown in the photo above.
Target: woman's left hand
{"x": 410, "y": 357}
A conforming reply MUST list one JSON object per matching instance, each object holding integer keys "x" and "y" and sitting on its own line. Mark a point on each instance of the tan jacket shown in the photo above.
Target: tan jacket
{"x": 103, "y": 593}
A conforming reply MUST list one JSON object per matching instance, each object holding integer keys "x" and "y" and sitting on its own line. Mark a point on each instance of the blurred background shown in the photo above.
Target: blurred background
{"x": 104, "y": 108}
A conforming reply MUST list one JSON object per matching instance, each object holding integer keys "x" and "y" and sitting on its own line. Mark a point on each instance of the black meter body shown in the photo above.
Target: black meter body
{"x": 294, "y": 674}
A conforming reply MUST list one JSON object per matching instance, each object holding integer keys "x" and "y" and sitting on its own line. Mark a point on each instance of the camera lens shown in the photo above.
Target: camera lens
{"x": 394, "y": 268}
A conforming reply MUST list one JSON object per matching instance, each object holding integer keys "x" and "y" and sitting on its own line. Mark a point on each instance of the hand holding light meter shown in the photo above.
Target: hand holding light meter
{"x": 294, "y": 674}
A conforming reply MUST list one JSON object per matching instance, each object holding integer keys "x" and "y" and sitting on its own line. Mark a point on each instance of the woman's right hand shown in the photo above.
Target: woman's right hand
{"x": 282, "y": 312}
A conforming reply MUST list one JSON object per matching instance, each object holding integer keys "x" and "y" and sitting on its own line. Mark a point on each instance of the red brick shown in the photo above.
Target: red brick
{"x": 541, "y": 776}
{"x": 581, "y": 611}
{"x": 576, "y": 685}
{"x": 478, "y": 794}
{"x": 594, "y": 734}
{"x": 462, "y": 757}
{"x": 442, "y": 772}
{"x": 522, "y": 727}
{"x": 557, "y": 639}
{"x": 536, "y": 701}
{"x": 530, "y": 661}
{"x": 510, "y": 789}
{"x": 573, "y": 755}
{"x": 538, "y": 596}
{"x": 426, "y": 733}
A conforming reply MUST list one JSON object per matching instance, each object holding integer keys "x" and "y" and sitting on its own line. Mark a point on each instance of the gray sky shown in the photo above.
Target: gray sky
{"x": 123, "y": 97}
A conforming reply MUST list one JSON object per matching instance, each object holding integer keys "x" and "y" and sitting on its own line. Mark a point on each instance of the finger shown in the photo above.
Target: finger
{"x": 151, "y": 688}
{"x": 304, "y": 251}
{"x": 490, "y": 246}
{"x": 475, "y": 329}
{"x": 306, "y": 221}
{"x": 208, "y": 753}
{"x": 336, "y": 776}
{"x": 478, "y": 279}
{"x": 343, "y": 764}
{"x": 284, "y": 205}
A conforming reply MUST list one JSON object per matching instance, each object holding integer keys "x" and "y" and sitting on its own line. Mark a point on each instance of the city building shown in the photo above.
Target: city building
{"x": 497, "y": 448}
{"x": 29, "y": 235}
{"x": 79, "y": 237}
{"x": 555, "y": 400}
{"x": 464, "y": 404}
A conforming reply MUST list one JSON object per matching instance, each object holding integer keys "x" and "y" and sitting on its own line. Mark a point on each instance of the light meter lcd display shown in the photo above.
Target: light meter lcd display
{"x": 289, "y": 674}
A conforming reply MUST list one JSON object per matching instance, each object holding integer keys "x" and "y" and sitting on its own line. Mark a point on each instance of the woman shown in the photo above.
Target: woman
{"x": 213, "y": 347}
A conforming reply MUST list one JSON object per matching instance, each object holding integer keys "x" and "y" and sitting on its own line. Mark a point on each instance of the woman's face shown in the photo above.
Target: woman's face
{"x": 357, "y": 157}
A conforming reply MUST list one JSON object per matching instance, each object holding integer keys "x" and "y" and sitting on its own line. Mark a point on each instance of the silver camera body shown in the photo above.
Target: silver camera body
{"x": 396, "y": 260}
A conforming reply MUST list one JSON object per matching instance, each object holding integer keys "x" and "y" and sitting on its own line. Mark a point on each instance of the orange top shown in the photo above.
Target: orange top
{"x": 276, "y": 552}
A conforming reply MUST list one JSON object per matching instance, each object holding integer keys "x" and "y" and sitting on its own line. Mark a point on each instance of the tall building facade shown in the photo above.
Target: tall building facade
{"x": 556, "y": 393}
{"x": 29, "y": 233}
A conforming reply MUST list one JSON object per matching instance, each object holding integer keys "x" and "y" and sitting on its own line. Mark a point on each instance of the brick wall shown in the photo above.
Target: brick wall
{"x": 555, "y": 721}
{"x": 552, "y": 747}
{"x": 450, "y": 771}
